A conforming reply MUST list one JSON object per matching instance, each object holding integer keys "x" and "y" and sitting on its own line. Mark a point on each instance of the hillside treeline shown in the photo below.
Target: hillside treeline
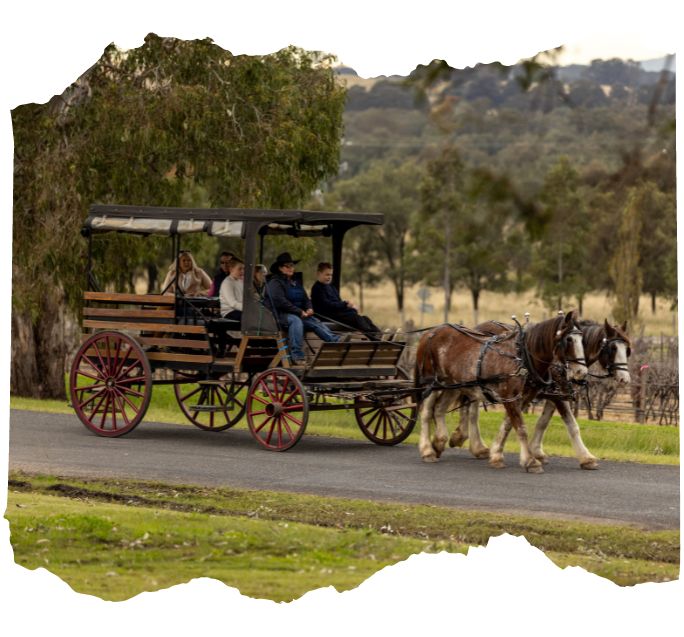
{"x": 491, "y": 178}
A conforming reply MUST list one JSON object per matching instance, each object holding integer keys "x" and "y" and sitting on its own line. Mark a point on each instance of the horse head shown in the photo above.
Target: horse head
{"x": 568, "y": 346}
{"x": 615, "y": 351}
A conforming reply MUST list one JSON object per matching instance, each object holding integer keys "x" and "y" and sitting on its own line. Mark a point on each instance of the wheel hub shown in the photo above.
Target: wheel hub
{"x": 274, "y": 409}
{"x": 110, "y": 383}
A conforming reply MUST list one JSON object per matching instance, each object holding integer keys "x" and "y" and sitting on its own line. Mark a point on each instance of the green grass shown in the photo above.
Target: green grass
{"x": 606, "y": 440}
{"x": 118, "y": 538}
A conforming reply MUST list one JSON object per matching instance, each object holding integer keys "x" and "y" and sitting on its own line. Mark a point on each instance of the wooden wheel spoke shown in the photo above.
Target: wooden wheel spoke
{"x": 262, "y": 425}
{"x": 104, "y": 395}
{"x": 121, "y": 358}
{"x": 105, "y": 410}
{"x": 297, "y": 421}
{"x": 130, "y": 390}
{"x": 122, "y": 409}
{"x": 287, "y": 428}
{"x": 90, "y": 387}
{"x": 260, "y": 399}
{"x": 104, "y": 365}
{"x": 98, "y": 371}
{"x": 293, "y": 394}
{"x": 189, "y": 394}
{"x": 270, "y": 432}
{"x": 87, "y": 375}
{"x": 93, "y": 397}
{"x": 400, "y": 414}
{"x": 133, "y": 406}
{"x": 130, "y": 379}
{"x": 391, "y": 422}
{"x": 372, "y": 419}
{"x": 396, "y": 421}
{"x": 267, "y": 390}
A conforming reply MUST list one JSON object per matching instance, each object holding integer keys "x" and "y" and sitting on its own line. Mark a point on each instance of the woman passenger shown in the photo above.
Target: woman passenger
{"x": 192, "y": 280}
{"x": 260, "y": 272}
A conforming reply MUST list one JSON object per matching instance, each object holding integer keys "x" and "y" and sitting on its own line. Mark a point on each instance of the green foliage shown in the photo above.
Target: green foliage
{"x": 470, "y": 220}
{"x": 151, "y": 125}
{"x": 390, "y": 188}
{"x": 562, "y": 262}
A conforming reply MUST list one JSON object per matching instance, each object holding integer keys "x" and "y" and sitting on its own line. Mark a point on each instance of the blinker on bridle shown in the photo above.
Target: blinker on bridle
{"x": 604, "y": 351}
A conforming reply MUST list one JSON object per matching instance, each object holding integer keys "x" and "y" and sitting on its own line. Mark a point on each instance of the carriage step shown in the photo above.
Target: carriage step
{"x": 213, "y": 408}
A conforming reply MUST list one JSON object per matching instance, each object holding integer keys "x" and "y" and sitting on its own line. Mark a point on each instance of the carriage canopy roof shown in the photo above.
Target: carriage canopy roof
{"x": 220, "y": 222}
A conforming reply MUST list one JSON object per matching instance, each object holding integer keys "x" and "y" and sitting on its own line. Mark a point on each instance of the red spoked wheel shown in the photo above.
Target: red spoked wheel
{"x": 110, "y": 383}
{"x": 211, "y": 403}
{"x": 277, "y": 409}
{"x": 385, "y": 423}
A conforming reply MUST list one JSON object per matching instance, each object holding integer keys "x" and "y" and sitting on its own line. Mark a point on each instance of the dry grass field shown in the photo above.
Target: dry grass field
{"x": 380, "y": 305}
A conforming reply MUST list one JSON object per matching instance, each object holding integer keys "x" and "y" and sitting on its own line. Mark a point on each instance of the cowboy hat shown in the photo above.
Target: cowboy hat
{"x": 282, "y": 259}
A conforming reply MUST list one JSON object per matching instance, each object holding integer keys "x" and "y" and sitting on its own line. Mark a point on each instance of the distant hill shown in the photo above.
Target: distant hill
{"x": 658, "y": 64}
{"x": 570, "y": 72}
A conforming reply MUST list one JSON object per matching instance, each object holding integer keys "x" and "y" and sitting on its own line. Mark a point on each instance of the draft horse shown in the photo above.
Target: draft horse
{"x": 459, "y": 366}
{"x": 605, "y": 344}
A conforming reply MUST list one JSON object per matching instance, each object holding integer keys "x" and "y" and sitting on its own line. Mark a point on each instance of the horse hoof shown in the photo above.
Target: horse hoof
{"x": 457, "y": 441}
{"x": 497, "y": 463}
{"x": 543, "y": 458}
{"x": 481, "y": 453}
{"x": 589, "y": 465}
{"x": 430, "y": 458}
{"x": 534, "y": 466}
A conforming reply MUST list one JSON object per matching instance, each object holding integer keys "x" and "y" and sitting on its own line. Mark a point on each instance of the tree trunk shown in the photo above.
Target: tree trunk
{"x": 580, "y": 304}
{"x": 361, "y": 295}
{"x": 39, "y": 350}
{"x": 152, "y": 274}
{"x": 653, "y": 302}
{"x": 476, "y": 305}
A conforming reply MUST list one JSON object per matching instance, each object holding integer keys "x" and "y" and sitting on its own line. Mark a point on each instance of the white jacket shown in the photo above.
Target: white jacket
{"x": 230, "y": 295}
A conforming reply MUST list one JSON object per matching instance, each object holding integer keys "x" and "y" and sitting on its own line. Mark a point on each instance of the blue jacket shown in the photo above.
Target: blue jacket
{"x": 276, "y": 297}
{"x": 326, "y": 299}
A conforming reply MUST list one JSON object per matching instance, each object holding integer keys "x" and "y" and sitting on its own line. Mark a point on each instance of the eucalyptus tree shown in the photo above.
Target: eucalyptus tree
{"x": 391, "y": 188}
{"x": 563, "y": 264}
{"x": 466, "y": 235}
{"x": 147, "y": 126}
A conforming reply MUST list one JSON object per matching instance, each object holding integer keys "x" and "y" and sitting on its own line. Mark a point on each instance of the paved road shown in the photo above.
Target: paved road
{"x": 646, "y": 495}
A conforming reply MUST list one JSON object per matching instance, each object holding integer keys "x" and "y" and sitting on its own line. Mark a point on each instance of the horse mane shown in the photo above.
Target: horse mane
{"x": 539, "y": 336}
{"x": 593, "y": 334}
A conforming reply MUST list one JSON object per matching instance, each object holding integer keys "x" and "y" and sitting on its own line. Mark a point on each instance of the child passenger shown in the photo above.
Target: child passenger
{"x": 327, "y": 303}
{"x": 230, "y": 294}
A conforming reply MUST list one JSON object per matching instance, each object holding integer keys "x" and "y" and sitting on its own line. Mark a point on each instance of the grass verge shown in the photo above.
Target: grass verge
{"x": 118, "y": 538}
{"x": 606, "y": 440}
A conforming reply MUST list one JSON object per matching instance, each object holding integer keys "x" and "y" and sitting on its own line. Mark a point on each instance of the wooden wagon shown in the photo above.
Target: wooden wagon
{"x": 222, "y": 370}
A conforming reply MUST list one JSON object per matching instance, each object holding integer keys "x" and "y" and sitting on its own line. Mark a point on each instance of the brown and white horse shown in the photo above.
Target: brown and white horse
{"x": 606, "y": 344}
{"x": 460, "y": 366}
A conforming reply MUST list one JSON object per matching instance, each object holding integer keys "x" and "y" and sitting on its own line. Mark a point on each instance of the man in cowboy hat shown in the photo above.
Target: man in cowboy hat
{"x": 289, "y": 302}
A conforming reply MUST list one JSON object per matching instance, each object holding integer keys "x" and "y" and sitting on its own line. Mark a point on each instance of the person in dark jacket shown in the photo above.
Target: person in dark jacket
{"x": 328, "y": 304}
{"x": 289, "y": 302}
{"x": 221, "y": 273}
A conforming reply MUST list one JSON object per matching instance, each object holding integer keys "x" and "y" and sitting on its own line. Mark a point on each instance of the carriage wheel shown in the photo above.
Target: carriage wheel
{"x": 277, "y": 409}
{"x": 110, "y": 383}
{"x": 385, "y": 424}
{"x": 212, "y": 404}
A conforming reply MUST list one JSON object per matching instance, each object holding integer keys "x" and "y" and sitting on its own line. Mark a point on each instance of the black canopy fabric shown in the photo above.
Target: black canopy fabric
{"x": 225, "y": 222}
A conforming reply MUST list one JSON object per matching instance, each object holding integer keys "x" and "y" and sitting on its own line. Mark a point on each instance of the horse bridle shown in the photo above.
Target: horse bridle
{"x": 575, "y": 331}
{"x": 612, "y": 366}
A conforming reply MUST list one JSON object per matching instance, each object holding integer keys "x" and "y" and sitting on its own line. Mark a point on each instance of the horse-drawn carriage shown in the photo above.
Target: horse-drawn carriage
{"x": 222, "y": 370}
